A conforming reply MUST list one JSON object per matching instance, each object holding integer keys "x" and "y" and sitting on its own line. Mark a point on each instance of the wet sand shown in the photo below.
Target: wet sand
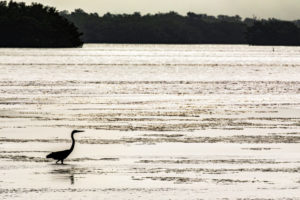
{"x": 160, "y": 121}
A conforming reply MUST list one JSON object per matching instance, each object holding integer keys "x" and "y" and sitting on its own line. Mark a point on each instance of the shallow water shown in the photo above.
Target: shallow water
{"x": 160, "y": 121}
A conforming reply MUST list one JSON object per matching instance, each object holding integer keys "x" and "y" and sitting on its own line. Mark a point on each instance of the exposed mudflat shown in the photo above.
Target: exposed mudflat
{"x": 160, "y": 121}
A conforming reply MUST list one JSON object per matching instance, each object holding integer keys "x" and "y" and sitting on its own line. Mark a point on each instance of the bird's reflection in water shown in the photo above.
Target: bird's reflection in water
{"x": 64, "y": 172}
{"x": 72, "y": 179}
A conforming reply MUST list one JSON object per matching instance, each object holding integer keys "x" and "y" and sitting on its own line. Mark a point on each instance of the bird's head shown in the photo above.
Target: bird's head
{"x": 77, "y": 131}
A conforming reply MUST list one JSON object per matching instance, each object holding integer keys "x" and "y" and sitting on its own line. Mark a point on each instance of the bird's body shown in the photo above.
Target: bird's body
{"x": 61, "y": 155}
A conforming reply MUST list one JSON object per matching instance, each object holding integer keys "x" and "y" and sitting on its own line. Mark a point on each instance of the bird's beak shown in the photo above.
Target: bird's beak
{"x": 79, "y": 131}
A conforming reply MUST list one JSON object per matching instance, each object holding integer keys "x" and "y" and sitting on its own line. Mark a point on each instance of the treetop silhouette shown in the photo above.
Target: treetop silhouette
{"x": 35, "y": 25}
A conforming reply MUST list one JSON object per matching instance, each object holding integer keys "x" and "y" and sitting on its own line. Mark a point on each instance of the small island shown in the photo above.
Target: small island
{"x": 35, "y": 25}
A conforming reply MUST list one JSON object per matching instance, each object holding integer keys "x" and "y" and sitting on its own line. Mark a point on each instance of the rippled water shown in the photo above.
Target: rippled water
{"x": 161, "y": 121}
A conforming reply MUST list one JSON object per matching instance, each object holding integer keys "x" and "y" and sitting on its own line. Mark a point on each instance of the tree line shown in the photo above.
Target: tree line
{"x": 172, "y": 28}
{"x": 36, "y": 25}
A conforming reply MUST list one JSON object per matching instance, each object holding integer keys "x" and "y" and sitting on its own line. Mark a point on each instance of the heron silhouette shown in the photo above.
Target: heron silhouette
{"x": 61, "y": 155}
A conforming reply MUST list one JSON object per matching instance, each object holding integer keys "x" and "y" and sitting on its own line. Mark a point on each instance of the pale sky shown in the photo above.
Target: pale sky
{"x": 282, "y": 9}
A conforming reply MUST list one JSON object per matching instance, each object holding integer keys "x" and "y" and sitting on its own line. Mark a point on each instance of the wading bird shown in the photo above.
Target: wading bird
{"x": 61, "y": 155}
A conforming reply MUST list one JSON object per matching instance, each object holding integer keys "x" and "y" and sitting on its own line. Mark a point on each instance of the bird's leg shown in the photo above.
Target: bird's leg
{"x": 62, "y": 162}
{"x": 57, "y": 161}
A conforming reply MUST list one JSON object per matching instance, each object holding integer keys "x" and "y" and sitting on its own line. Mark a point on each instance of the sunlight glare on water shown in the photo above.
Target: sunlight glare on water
{"x": 160, "y": 121}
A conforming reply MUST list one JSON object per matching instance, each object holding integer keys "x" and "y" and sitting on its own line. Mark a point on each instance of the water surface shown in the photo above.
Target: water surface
{"x": 161, "y": 121}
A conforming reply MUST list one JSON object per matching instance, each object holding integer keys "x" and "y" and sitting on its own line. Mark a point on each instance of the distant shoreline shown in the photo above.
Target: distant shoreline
{"x": 172, "y": 28}
{"x": 38, "y": 26}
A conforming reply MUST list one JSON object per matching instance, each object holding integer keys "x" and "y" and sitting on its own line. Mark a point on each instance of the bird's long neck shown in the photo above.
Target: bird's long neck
{"x": 73, "y": 142}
